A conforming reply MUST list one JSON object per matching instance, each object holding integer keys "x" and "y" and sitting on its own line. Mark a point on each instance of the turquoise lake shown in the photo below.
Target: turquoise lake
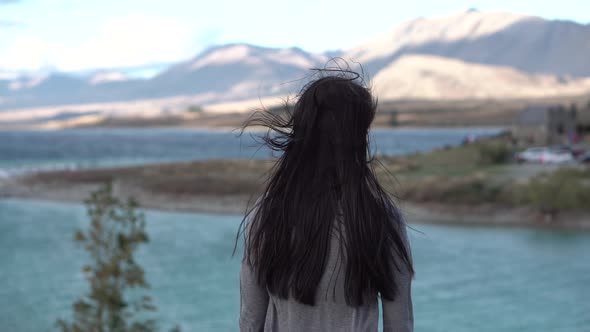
{"x": 467, "y": 278}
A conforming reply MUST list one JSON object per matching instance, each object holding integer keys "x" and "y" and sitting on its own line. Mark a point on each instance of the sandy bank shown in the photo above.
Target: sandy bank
{"x": 229, "y": 186}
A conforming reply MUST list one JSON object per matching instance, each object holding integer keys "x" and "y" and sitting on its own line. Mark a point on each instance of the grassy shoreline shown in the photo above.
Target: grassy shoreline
{"x": 446, "y": 186}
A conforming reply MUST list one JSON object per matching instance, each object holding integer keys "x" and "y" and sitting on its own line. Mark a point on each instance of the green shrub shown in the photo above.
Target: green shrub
{"x": 194, "y": 109}
{"x": 117, "y": 229}
{"x": 465, "y": 190}
{"x": 567, "y": 189}
{"x": 394, "y": 121}
{"x": 493, "y": 153}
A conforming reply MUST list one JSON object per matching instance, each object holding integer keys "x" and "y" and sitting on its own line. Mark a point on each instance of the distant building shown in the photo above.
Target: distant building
{"x": 545, "y": 125}
{"x": 583, "y": 120}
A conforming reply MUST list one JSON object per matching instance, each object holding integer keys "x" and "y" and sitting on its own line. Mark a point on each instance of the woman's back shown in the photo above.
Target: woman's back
{"x": 325, "y": 240}
{"x": 262, "y": 311}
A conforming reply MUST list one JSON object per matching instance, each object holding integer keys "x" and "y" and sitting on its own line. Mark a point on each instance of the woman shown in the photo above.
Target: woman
{"x": 325, "y": 241}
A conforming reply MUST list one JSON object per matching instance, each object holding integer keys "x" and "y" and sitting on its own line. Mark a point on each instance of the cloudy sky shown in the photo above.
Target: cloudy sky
{"x": 71, "y": 35}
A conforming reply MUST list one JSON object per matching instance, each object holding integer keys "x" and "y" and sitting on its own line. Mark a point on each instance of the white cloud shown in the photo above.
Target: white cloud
{"x": 121, "y": 41}
{"x": 131, "y": 40}
{"x": 29, "y": 53}
{"x": 10, "y": 23}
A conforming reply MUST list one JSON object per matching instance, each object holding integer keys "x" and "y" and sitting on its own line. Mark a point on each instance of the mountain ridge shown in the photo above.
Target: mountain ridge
{"x": 528, "y": 43}
{"x": 224, "y": 73}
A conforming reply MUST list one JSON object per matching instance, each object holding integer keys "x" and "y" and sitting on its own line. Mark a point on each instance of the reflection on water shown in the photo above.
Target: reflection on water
{"x": 468, "y": 279}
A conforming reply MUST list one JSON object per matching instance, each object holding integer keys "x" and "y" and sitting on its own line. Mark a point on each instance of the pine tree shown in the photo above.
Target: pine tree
{"x": 116, "y": 230}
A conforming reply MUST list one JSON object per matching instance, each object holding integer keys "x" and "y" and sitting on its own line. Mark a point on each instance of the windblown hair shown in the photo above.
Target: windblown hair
{"x": 324, "y": 181}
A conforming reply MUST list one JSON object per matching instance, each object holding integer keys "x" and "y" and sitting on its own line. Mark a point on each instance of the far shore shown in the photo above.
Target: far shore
{"x": 230, "y": 187}
{"x": 184, "y": 111}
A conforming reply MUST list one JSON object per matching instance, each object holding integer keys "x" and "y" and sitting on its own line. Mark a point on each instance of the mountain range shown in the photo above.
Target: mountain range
{"x": 467, "y": 55}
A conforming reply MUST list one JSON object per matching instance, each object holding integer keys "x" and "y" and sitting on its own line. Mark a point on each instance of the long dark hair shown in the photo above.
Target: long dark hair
{"x": 324, "y": 178}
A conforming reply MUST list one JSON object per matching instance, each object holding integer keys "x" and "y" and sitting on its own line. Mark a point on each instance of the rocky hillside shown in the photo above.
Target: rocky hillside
{"x": 527, "y": 43}
{"x": 434, "y": 77}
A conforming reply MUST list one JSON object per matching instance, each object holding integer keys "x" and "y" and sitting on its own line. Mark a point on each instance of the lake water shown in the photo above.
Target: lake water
{"x": 467, "y": 278}
{"x": 23, "y": 151}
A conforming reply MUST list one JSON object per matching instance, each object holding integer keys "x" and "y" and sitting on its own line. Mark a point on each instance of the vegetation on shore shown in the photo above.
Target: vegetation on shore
{"x": 482, "y": 174}
{"x": 550, "y": 193}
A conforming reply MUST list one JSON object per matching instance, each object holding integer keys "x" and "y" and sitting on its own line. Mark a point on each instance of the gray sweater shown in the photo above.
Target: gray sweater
{"x": 261, "y": 311}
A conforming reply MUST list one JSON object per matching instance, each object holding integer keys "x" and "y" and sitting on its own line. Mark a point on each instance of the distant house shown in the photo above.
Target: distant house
{"x": 545, "y": 125}
{"x": 583, "y": 120}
